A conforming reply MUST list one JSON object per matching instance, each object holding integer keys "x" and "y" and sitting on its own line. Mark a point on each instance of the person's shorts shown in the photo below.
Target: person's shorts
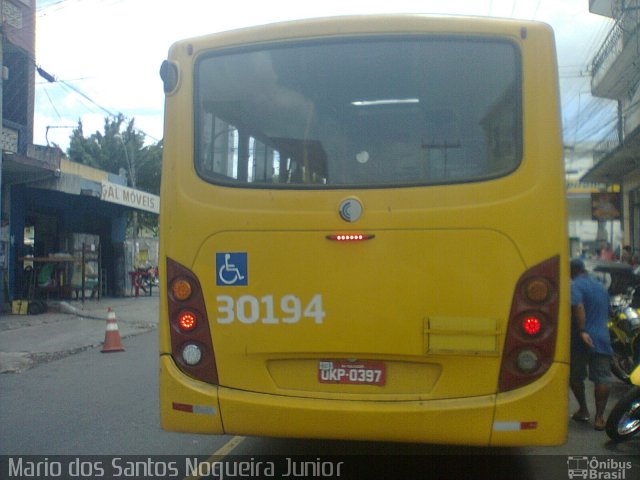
{"x": 598, "y": 365}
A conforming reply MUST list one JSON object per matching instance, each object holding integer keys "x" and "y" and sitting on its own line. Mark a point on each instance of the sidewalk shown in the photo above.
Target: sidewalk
{"x": 70, "y": 327}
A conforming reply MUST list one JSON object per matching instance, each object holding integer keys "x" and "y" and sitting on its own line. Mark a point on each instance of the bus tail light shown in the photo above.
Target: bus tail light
{"x": 187, "y": 321}
{"x": 181, "y": 289}
{"x": 530, "y": 342}
{"x": 531, "y": 325}
{"x": 349, "y": 237}
{"x": 191, "y": 344}
{"x": 191, "y": 354}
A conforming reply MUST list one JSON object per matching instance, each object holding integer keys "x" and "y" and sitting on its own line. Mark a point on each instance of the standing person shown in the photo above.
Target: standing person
{"x": 590, "y": 342}
{"x": 606, "y": 253}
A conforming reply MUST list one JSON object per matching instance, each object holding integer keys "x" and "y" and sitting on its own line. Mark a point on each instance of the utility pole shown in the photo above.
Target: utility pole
{"x": 131, "y": 166}
{"x": 134, "y": 181}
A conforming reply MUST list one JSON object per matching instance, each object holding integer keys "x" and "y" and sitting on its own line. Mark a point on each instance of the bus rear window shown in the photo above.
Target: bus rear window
{"x": 361, "y": 114}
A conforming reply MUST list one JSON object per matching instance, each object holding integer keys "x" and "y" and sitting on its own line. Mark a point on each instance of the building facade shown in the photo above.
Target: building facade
{"x": 615, "y": 74}
{"x": 63, "y": 225}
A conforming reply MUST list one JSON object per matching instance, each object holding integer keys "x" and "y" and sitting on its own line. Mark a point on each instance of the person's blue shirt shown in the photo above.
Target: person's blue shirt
{"x": 595, "y": 299}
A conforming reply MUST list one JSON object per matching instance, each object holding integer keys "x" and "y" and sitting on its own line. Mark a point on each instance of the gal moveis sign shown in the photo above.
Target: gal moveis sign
{"x": 114, "y": 193}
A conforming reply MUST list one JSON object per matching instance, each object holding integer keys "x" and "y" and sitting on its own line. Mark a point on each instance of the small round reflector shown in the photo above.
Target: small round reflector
{"x": 531, "y": 325}
{"x": 181, "y": 289}
{"x": 191, "y": 354}
{"x": 187, "y": 321}
{"x": 527, "y": 361}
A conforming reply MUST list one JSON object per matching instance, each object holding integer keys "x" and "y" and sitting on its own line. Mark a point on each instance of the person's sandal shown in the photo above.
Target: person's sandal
{"x": 578, "y": 417}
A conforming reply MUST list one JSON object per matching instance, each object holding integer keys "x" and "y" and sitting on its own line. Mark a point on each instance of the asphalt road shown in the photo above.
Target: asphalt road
{"x": 93, "y": 403}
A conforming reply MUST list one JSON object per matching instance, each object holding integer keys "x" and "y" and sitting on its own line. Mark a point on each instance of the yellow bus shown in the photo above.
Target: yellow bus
{"x": 363, "y": 232}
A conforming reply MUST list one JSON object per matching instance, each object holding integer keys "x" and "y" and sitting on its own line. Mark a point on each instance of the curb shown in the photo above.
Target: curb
{"x": 65, "y": 307}
{"x": 20, "y": 361}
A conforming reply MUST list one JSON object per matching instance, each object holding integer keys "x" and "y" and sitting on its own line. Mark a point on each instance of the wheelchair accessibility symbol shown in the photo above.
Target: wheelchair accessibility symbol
{"x": 231, "y": 269}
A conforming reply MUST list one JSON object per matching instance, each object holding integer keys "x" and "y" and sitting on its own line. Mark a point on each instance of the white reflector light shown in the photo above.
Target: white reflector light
{"x": 527, "y": 361}
{"x": 191, "y": 354}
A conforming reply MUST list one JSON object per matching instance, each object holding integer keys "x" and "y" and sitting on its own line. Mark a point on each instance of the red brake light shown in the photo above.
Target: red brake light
{"x": 531, "y": 325}
{"x": 187, "y": 321}
{"x": 350, "y": 237}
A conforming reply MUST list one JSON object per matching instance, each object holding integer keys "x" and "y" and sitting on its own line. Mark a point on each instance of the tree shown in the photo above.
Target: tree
{"x": 117, "y": 151}
{"x": 149, "y": 168}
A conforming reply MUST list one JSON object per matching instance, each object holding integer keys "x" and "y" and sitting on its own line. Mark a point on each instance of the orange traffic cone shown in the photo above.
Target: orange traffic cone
{"x": 112, "y": 341}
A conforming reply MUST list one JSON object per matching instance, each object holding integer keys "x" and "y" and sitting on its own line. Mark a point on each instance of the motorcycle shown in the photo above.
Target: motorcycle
{"x": 148, "y": 276}
{"x": 624, "y": 329}
{"x": 144, "y": 278}
{"x": 624, "y": 420}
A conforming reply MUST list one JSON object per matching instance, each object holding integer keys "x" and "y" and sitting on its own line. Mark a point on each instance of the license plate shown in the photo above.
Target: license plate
{"x": 352, "y": 373}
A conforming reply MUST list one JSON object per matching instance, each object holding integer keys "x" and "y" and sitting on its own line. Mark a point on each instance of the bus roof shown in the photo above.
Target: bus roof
{"x": 381, "y": 24}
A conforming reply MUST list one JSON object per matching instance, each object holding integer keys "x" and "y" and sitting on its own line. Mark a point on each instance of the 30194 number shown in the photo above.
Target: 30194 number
{"x": 288, "y": 309}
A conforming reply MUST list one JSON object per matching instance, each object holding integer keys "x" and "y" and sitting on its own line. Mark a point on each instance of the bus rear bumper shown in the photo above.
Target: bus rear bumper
{"x": 455, "y": 421}
{"x": 482, "y": 421}
{"x": 187, "y": 405}
{"x": 536, "y": 414}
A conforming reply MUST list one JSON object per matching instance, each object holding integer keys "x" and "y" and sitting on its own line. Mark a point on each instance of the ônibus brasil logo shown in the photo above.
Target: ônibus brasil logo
{"x": 595, "y": 468}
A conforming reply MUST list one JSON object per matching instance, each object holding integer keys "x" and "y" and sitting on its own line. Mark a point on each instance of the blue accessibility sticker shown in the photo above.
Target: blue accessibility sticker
{"x": 232, "y": 269}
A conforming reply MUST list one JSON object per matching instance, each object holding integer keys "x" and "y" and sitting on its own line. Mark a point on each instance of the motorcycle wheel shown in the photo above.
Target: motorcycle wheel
{"x": 624, "y": 420}
{"x": 621, "y": 364}
{"x": 619, "y": 372}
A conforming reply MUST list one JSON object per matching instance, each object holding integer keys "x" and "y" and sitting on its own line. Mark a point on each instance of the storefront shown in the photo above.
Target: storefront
{"x": 66, "y": 236}
{"x": 621, "y": 166}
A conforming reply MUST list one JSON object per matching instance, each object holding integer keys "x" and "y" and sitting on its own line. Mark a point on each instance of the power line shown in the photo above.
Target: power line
{"x": 53, "y": 79}
{"x": 60, "y": 5}
{"x": 536, "y": 10}
{"x": 52, "y": 104}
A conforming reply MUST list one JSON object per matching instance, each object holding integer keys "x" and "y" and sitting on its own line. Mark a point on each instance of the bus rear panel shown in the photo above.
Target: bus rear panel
{"x": 363, "y": 233}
